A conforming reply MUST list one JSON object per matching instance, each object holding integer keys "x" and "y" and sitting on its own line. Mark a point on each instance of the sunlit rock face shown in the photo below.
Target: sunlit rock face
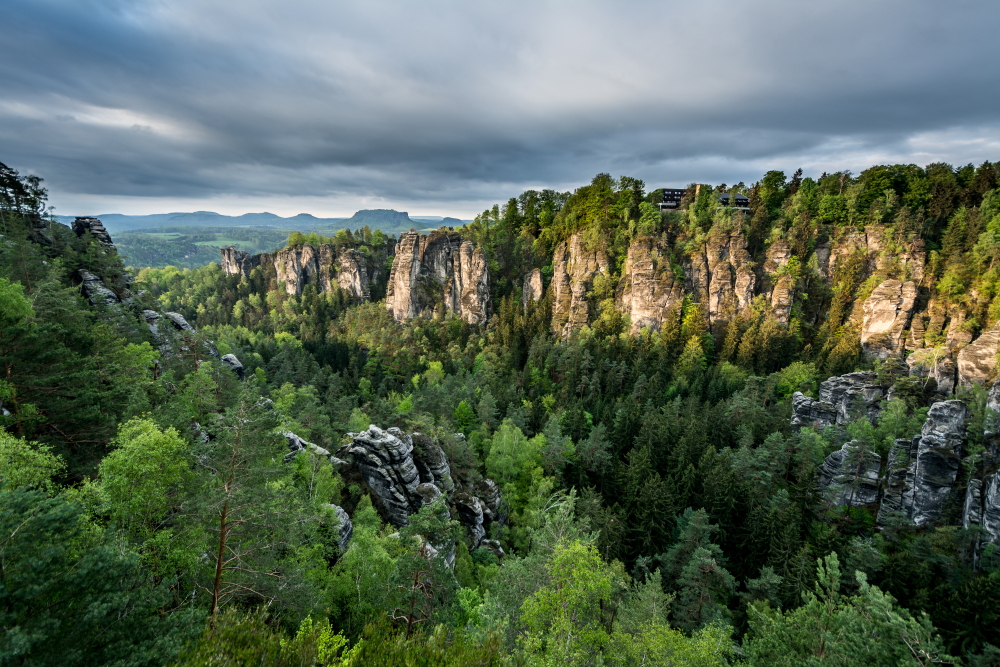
{"x": 324, "y": 266}
{"x": 887, "y": 314}
{"x": 438, "y": 273}
{"x": 575, "y": 266}
{"x": 977, "y": 361}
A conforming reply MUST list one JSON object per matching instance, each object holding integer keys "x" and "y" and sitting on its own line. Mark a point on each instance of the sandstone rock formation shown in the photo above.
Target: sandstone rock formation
{"x": 297, "y": 444}
{"x": 532, "y": 289}
{"x": 852, "y": 395}
{"x": 649, "y": 287}
{"x": 842, "y": 399}
{"x": 345, "y": 529}
{"x": 887, "y": 314}
{"x": 850, "y": 475}
{"x": 938, "y": 452}
{"x": 238, "y": 262}
{"x": 436, "y": 273}
{"x": 934, "y": 364}
{"x": 232, "y": 363}
{"x": 807, "y": 411}
{"x": 897, "y": 471}
{"x": 82, "y": 225}
{"x": 297, "y": 266}
{"x": 95, "y": 290}
{"x": 977, "y": 361}
{"x": 406, "y": 471}
{"x": 574, "y": 269}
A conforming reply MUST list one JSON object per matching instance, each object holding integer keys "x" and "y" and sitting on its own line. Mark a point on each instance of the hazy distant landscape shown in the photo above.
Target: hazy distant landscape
{"x": 190, "y": 240}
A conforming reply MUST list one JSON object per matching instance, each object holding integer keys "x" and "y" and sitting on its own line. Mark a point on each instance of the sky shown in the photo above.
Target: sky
{"x": 447, "y": 107}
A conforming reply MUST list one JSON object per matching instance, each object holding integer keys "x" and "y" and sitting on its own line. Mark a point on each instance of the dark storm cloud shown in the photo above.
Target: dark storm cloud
{"x": 469, "y": 102}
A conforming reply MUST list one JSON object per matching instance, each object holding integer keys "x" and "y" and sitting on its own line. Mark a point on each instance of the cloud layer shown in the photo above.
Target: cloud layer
{"x": 445, "y": 107}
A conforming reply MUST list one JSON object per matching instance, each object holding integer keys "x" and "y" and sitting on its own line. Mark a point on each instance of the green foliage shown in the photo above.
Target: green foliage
{"x": 832, "y": 629}
{"x": 27, "y": 464}
{"x": 71, "y": 600}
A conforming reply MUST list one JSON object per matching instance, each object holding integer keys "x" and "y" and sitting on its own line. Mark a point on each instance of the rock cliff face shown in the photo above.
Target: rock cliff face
{"x": 407, "y": 471}
{"x": 532, "y": 289}
{"x": 574, "y": 267}
{"x": 977, "y": 362}
{"x": 921, "y": 473}
{"x": 649, "y": 286}
{"x": 297, "y": 266}
{"x": 938, "y": 452}
{"x": 437, "y": 273}
{"x": 83, "y": 225}
{"x": 841, "y": 399}
{"x": 887, "y": 314}
{"x": 850, "y": 475}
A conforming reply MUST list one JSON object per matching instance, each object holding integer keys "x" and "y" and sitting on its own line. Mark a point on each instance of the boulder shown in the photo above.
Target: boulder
{"x": 938, "y": 452}
{"x": 232, "y": 363}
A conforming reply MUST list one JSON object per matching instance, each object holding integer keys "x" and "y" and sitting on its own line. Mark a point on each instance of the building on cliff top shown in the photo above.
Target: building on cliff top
{"x": 672, "y": 199}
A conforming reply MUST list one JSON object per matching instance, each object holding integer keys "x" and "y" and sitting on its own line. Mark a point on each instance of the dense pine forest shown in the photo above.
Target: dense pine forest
{"x": 213, "y": 466}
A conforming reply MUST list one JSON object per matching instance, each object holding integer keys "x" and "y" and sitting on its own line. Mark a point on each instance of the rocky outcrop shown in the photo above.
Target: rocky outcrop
{"x": 236, "y": 262}
{"x": 574, "y": 268}
{"x": 850, "y": 475}
{"x": 897, "y": 471}
{"x": 297, "y": 445}
{"x": 649, "y": 286}
{"x": 852, "y": 395}
{"x": 232, "y": 363}
{"x": 95, "y": 290}
{"x": 887, "y": 314}
{"x": 83, "y": 225}
{"x": 842, "y": 399}
{"x": 977, "y": 361}
{"x": 938, "y": 453}
{"x": 532, "y": 289}
{"x": 345, "y": 528}
{"x": 934, "y": 364}
{"x": 438, "y": 273}
{"x": 324, "y": 267}
{"x": 407, "y": 471}
{"x": 807, "y": 411}
{"x": 298, "y": 266}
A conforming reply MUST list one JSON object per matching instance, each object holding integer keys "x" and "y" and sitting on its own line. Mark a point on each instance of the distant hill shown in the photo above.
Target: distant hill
{"x": 388, "y": 220}
{"x": 117, "y": 222}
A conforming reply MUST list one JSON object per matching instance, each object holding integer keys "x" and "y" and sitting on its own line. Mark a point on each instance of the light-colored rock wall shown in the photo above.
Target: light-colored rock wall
{"x": 574, "y": 268}
{"x": 438, "y": 271}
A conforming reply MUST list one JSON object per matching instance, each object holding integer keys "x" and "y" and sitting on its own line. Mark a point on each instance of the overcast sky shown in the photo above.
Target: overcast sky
{"x": 444, "y": 108}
